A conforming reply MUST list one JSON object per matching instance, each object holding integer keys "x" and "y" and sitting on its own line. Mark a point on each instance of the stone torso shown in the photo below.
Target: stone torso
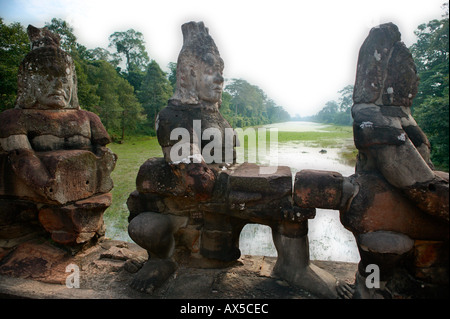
{"x": 49, "y": 130}
{"x": 183, "y": 116}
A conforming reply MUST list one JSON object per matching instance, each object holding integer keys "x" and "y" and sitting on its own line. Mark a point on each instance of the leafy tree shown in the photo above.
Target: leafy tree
{"x": 87, "y": 91}
{"x": 65, "y": 31}
{"x": 337, "y": 112}
{"x": 225, "y": 108}
{"x": 247, "y": 101}
{"x": 173, "y": 74}
{"x": 154, "y": 93}
{"x": 135, "y": 78}
{"x": 100, "y": 54}
{"x": 432, "y": 116}
{"x": 14, "y": 45}
{"x": 109, "y": 108}
{"x": 246, "y": 105}
{"x": 132, "y": 110}
{"x": 431, "y": 56}
{"x": 275, "y": 113}
{"x": 328, "y": 112}
{"x": 430, "y": 107}
{"x": 346, "y": 98}
{"x": 131, "y": 45}
{"x": 117, "y": 105}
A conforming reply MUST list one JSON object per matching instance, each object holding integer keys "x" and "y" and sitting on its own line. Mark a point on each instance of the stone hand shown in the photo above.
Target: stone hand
{"x": 32, "y": 171}
{"x": 197, "y": 179}
{"x": 344, "y": 290}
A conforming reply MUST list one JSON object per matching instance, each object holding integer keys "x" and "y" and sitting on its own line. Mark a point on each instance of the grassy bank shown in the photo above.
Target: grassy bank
{"x": 330, "y": 136}
{"x": 326, "y": 136}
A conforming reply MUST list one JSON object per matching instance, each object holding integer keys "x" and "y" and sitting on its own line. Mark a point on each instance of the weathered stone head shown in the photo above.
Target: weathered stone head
{"x": 47, "y": 77}
{"x": 386, "y": 72}
{"x": 199, "y": 69}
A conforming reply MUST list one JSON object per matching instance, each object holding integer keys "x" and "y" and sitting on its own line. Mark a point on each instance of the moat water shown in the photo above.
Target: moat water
{"x": 328, "y": 239}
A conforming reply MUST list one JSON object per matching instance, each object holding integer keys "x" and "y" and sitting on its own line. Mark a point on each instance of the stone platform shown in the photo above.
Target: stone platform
{"x": 103, "y": 275}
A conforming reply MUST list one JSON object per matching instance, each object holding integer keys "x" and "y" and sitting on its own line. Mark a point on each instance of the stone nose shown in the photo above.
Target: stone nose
{"x": 57, "y": 83}
{"x": 218, "y": 78}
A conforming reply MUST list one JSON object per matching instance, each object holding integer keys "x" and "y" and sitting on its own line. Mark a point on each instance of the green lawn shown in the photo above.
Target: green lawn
{"x": 331, "y": 132}
{"x": 131, "y": 155}
{"x": 331, "y": 136}
{"x": 328, "y": 136}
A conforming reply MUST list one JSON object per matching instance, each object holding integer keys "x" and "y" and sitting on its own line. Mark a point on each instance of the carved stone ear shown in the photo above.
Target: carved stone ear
{"x": 74, "y": 102}
{"x": 185, "y": 92}
{"x": 25, "y": 98}
{"x": 193, "y": 90}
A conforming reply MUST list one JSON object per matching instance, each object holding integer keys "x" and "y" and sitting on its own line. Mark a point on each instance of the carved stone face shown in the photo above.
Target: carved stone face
{"x": 53, "y": 91}
{"x": 47, "y": 80}
{"x": 209, "y": 79}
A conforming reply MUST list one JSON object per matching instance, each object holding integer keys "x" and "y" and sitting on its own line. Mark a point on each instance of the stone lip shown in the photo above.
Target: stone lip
{"x": 103, "y": 276}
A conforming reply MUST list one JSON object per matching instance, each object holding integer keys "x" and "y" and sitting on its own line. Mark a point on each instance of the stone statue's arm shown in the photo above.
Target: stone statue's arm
{"x": 99, "y": 135}
{"x": 419, "y": 139}
{"x": 26, "y": 165}
{"x": 402, "y": 165}
{"x": 191, "y": 170}
{"x": 400, "y": 148}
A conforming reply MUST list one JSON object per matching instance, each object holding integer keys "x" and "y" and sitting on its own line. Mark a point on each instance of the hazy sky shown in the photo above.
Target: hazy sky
{"x": 299, "y": 52}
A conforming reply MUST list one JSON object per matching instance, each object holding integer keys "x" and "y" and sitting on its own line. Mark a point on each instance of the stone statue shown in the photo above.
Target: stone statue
{"x": 194, "y": 107}
{"x": 190, "y": 208}
{"x": 55, "y": 168}
{"x": 395, "y": 204}
{"x": 399, "y": 213}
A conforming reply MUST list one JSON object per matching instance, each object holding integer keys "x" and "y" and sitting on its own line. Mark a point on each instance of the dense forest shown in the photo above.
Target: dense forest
{"x": 123, "y": 85}
{"x": 431, "y": 104}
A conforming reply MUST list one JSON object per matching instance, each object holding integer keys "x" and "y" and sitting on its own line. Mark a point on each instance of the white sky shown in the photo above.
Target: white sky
{"x": 299, "y": 52}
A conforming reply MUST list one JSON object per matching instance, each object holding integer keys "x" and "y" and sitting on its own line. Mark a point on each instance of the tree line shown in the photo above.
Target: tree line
{"x": 430, "y": 106}
{"x": 334, "y": 112}
{"x": 123, "y": 85}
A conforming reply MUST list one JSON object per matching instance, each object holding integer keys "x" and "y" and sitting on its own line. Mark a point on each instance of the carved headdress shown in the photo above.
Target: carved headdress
{"x": 198, "y": 46}
{"x": 386, "y": 73}
{"x": 46, "y": 59}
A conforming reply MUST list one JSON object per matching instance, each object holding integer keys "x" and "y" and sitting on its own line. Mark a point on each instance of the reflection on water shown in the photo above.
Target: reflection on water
{"x": 256, "y": 239}
{"x": 328, "y": 239}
